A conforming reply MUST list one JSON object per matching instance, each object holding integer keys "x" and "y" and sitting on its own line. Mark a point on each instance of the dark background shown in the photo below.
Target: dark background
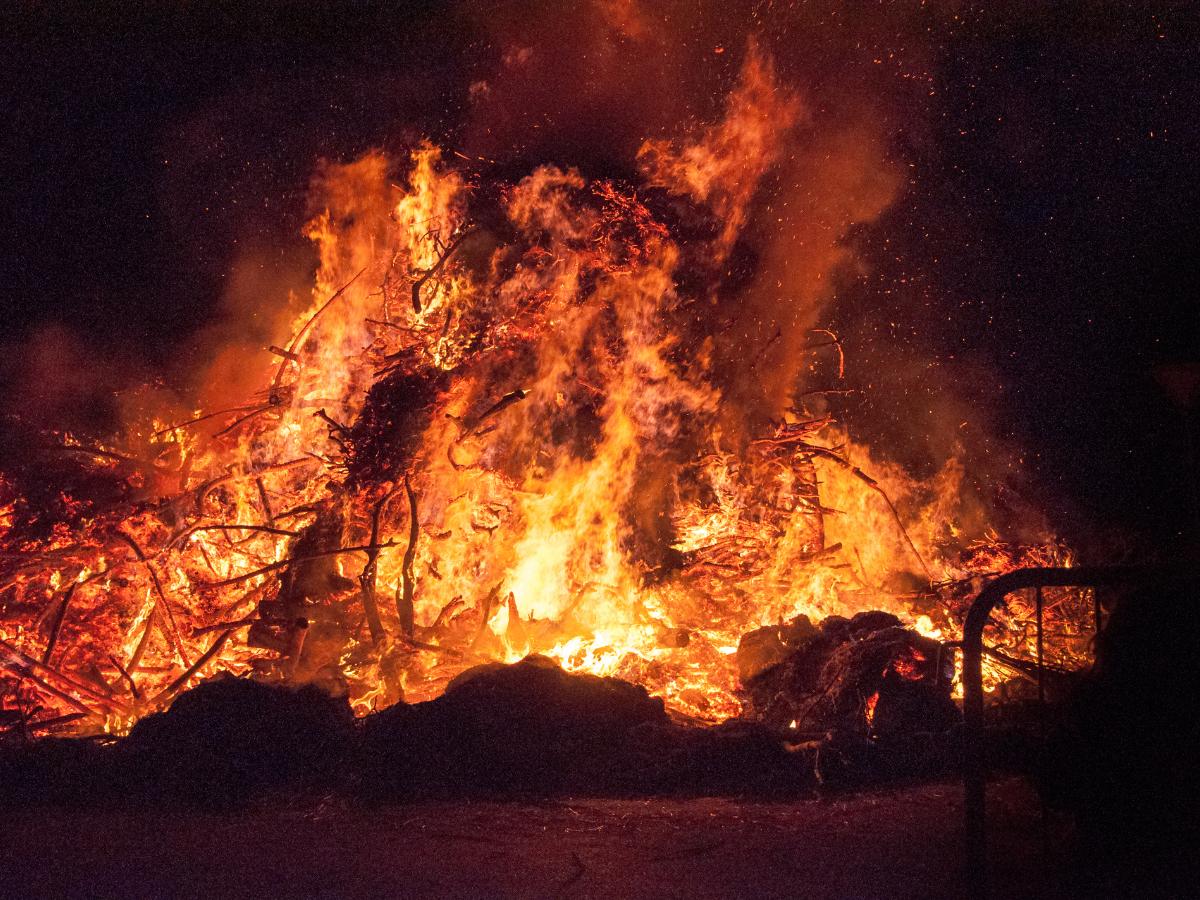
{"x": 1054, "y": 182}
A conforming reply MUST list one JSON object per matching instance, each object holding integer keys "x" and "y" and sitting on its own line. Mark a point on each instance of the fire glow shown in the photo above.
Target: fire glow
{"x": 499, "y": 428}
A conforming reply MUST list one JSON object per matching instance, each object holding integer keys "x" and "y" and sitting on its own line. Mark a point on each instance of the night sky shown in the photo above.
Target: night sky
{"x": 1039, "y": 264}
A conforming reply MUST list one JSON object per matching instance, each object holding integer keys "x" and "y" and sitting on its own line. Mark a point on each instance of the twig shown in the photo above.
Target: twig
{"x": 195, "y": 667}
{"x": 257, "y": 411}
{"x": 384, "y": 324}
{"x": 875, "y": 486}
{"x": 170, "y": 629}
{"x": 762, "y": 352}
{"x": 437, "y": 267}
{"x": 207, "y": 488}
{"x": 295, "y": 342}
{"x": 841, "y": 392}
{"x": 212, "y": 415}
{"x": 238, "y": 526}
{"x": 133, "y": 688}
{"x": 23, "y": 672}
{"x": 238, "y": 579}
{"x": 338, "y": 433}
{"x": 33, "y": 665}
{"x": 405, "y": 606}
{"x": 60, "y": 615}
{"x": 104, "y": 454}
{"x": 143, "y": 642}
{"x": 366, "y": 578}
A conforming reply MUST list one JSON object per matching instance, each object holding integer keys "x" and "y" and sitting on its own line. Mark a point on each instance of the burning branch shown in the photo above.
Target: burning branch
{"x": 133, "y": 688}
{"x": 179, "y": 539}
{"x": 437, "y": 267}
{"x": 254, "y": 413}
{"x": 338, "y": 433}
{"x": 367, "y": 578}
{"x": 175, "y": 686}
{"x": 290, "y": 354}
{"x": 404, "y": 600}
{"x": 255, "y": 407}
{"x": 162, "y": 607}
{"x": 283, "y": 564}
{"x": 21, "y": 660}
{"x": 870, "y": 482}
{"x": 60, "y": 615}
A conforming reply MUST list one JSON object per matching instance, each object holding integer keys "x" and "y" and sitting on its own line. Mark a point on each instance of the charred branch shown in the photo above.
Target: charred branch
{"x": 174, "y": 687}
{"x": 366, "y": 580}
{"x": 472, "y": 426}
{"x": 437, "y": 267}
{"x": 874, "y": 485}
{"x": 60, "y": 615}
{"x": 162, "y": 605}
{"x": 404, "y": 602}
{"x": 283, "y": 564}
{"x": 291, "y": 351}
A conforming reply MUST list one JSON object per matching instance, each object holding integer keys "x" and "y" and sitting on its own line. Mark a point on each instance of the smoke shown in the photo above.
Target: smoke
{"x": 819, "y": 111}
{"x": 616, "y": 87}
{"x": 799, "y": 107}
{"x": 55, "y": 376}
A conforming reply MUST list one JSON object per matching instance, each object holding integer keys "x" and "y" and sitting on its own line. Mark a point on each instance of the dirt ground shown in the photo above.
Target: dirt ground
{"x": 904, "y": 842}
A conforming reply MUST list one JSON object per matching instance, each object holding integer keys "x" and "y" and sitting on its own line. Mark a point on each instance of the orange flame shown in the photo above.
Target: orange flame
{"x": 483, "y": 440}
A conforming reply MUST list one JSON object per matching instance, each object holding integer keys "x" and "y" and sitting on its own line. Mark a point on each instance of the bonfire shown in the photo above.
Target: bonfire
{"x": 503, "y": 425}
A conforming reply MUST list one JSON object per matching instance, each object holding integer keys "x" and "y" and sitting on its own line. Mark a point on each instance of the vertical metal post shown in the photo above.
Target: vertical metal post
{"x": 1041, "y": 635}
{"x": 1041, "y": 684}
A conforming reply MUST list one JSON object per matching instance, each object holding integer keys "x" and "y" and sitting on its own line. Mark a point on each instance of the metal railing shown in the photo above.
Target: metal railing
{"x": 974, "y": 749}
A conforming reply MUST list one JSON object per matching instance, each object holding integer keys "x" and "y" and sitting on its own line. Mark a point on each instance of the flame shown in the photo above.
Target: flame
{"x": 487, "y": 437}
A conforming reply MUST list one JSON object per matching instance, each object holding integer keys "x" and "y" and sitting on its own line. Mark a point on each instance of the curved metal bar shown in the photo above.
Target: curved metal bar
{"x": 974, "y": 767}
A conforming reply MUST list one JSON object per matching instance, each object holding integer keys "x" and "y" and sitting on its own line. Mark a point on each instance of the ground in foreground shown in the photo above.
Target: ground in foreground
{"x": 903, "y": 842}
